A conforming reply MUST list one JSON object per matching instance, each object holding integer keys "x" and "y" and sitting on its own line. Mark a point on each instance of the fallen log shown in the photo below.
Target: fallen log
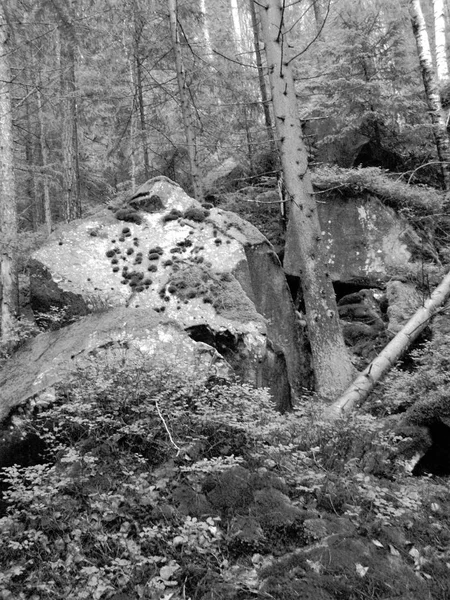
{"x": 358, "y": 391}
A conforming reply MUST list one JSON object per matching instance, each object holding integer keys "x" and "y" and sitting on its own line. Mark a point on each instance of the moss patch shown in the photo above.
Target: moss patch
{"x": 128, "y": 214}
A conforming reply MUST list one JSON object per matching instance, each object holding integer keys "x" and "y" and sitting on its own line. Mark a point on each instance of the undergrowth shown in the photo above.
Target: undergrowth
{"x": 154, "y": 485}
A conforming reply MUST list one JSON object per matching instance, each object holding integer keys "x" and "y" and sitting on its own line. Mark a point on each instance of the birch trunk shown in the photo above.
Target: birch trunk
{"x": 366, "y": 381}
{"x": 8, "y": 206}
{"x": 332, "y": 367}
{"x": 186, "y": 111}
{"x": 440, "y": 42}
{"x": 431, "y": 90}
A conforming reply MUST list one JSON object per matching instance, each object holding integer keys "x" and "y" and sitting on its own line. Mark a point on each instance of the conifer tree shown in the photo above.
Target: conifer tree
{"x": 8, "y": 209}
{"x": 332, "y": 367}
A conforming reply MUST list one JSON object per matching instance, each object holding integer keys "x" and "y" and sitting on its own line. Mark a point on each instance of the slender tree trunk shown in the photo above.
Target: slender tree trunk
{"x": 132, "y": 134}
{"x": 237, "y": 27}
{"x": 431, "y": 90}
{"x": 318, "y": 14}
{"x": 67, "y": 57}
{"x": 32, "y": 191}
{"x": 186, "y": 111}
{"x": 138, "y": 26}
{"x": 71, "y": 170}
{"x": 440, "y": 42}
{"x": 261, "y": 78}
{"x": 44, "y": 156}
{"x": 366, "y": 381}
{"x": 31, "y": 151}
{"x": 205, "y": 28}
{"x": 8, "y": 207}
{"x": 332, "y": 367}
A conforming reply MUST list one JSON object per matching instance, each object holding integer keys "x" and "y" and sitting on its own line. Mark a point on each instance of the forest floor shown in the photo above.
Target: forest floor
{"x": 155, "y": 487}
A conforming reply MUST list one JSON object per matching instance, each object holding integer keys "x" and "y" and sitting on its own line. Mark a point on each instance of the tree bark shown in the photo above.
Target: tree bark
{"x": 205, "y": 28}
{"x": 440, "y": 42}
{"x": 138, "y": 26}
{"x": 332, "y": 367}
{"x": 366, "y": 381}
{"x": 8, "y": 206}
{"x": 237, "y": 27}
{"x": 45, "y": 161}
{"x": 318, "y": 14}
{"x": 186, "y": 111}
{"x": 69, "y": 113}
{"x": 431, "y": 90}
{"x": 261, "y": 79}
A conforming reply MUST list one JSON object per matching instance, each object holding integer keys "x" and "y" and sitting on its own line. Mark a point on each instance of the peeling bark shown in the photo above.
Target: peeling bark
{"x": 333, "y": 370}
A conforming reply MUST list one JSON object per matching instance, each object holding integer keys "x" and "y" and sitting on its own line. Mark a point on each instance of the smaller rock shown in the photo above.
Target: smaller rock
{"x": 403, "y": 302}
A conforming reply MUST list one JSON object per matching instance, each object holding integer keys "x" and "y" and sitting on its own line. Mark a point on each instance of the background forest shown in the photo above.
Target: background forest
{"x": 96, "y": 108}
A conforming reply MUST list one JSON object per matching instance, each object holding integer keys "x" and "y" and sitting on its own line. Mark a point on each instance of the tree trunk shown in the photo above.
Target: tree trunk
{"x": 8, "y": 207}
{"x": 431, "y": 90}
{"x": 71, "y": 173}
{"x": 205, "y": 28}
{"x": 69, "y": 113}
{"x": 186, "y": 111}
{"x": 138, "y": 26}
{"x": 332, "y": 367}
{"x": 440, "y": 42}
{"x": 31, "y": 187}
{"x": 132, "y": 132}
{"x": 261, "y": 79}
{"x": 237, "y": 27}
{"x": 318, "y": 14}
{"x": 366, "y": 381}
{"x": 44, "y": 156}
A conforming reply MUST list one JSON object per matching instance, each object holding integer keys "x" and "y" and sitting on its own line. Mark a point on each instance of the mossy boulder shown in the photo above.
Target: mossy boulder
{"x": 209, "y": 270}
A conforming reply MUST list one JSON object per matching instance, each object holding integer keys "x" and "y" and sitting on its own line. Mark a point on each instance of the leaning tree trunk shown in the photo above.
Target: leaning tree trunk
{"x": 366, "y": 381}
{"x": 186, "y": 112}
{"x": 431, "y": 90}
{"x": 8, "y": 207}
{"x": 332, "y": 367}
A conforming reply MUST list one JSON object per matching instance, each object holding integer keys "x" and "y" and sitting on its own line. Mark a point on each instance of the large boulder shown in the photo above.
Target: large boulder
{"x": 211, "y": 272}
{"x": 364, "y": 239}
{"x": 135, "y": 334}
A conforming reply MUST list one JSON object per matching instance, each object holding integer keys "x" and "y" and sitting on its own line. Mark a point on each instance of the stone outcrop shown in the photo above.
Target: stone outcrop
{"x": 49, "y": 358}
{"x": 403, "y": 301}
{"x": 364, "y": 239}
{"x": 210, "y": 272}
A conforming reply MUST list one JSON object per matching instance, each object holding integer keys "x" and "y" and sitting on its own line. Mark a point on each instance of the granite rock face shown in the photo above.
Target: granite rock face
{"x": 364, "y": 238}
{"x": 50, "y": 357}
{"x": 209, "y": 271}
